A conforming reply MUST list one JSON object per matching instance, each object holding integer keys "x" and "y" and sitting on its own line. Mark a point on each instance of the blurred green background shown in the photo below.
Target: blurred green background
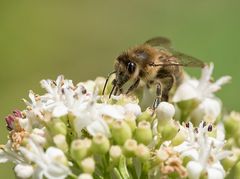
{"x": 80, "y": 39}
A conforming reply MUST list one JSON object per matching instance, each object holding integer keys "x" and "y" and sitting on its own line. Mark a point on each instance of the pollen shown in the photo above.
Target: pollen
{"x": 173, "y": 164}
{"x": 17, "y": 138}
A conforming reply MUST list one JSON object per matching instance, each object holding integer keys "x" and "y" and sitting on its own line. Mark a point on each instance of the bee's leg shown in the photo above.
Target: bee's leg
{"x": 106, "y": 82}
{"x": 158, "y": 97}
{"x": 134, "y": 86}
{"x": 167, "y": 87}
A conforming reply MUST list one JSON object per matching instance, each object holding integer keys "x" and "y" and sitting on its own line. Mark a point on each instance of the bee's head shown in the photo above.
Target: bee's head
{"x": 125, "y": 68}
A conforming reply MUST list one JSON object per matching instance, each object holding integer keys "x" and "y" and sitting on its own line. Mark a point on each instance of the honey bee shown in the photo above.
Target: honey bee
{"x": 151, "y": 63}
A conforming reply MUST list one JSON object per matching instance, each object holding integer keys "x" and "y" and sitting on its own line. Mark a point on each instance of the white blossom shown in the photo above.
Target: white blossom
{"x": 41, "y": 136}
{"x": 51, "y": 164}
{"x": 202, "y": 90}
{"x": 204, "y": 152}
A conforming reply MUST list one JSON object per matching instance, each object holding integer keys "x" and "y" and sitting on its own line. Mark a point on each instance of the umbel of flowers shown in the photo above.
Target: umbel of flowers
{"x": 72, "y": 131}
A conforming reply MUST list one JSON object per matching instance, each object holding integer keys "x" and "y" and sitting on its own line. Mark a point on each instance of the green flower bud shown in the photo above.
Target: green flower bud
{"x": 80, "y": 149}
{"x": 231, "y": 127}
{"x": 108, "y": 120}
{"x": 186, "y": 107}
{"x": 115, "y": 153}
{"x": 60, "y": 142}
{"x": 179, "y": 138}
{"x": 129, "y": 147}
{"x": 142, "y": 152}
{"x": 88, "y": 165}
{"x": 121, "y": 132}
{"x": 131, "y": 121}
{"x": 85, "y": 176}
{"x": 100, "y": 144}
{"x": 146, "y": 116}
{"x": 143, "y": 133}
{"x": 168, "y": 131}
{"x": 58, "y": 128}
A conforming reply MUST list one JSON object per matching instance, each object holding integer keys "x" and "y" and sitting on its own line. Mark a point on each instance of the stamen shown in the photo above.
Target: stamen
{"x": 210, "y": 128}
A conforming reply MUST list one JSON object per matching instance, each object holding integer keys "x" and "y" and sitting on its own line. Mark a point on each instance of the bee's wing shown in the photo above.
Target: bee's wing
{"x": 179, "y": 59}
{"x": 159, "y": 42}
{"x": 187, "y": 60}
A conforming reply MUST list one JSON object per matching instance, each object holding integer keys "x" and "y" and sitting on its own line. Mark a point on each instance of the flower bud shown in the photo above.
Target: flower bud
{"x": 146, "y": 116}
{"x": 85, "y": 176}
{"x": 142, "y": 152}
{"x": 168, "y": 131}
{"x": 194, "y": 169}
{"x": 231, "y": 124}
{"x": 121, "y": 132}
{"x": 80, "y": 149}
{"x": 131, "y": 121}
{"x": 129, "y": 147}
{"x": 179, "y": 138}
{"x": 115, "y": 153}
{"x": 39, "y": 136}
{"x": 88, "y": 165}
{"x": 58, "y": 128}
{"x": 60, "y": 142}
{"x": 165, "y": 111}
{"x": 24, "y": 170}
{"x": 143, "y": 133}
{"x": 100, "y": 144}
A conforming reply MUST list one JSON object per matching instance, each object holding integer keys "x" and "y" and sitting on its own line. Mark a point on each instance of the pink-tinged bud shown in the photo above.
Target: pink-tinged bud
{"x": 11, "y": 118}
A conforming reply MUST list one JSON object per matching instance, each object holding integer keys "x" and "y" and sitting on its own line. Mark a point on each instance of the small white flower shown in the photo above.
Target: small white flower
{"x": 204, "y": 88}
{"x": 51, "y": 164}
{"x": 202, "y": 91}
{"x": 205, "y": 152}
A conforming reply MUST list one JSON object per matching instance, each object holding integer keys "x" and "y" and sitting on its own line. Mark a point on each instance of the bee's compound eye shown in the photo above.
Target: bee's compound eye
{"x": 131, "y": 67}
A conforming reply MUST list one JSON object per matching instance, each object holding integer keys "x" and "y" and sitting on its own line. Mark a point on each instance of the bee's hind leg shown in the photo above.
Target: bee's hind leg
{"x": 167, "y": 87}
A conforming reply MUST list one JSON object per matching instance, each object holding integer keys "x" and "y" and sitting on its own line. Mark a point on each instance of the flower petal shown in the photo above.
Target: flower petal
{"x": 99, "y": 126}
{"x": 24, "y": 170}
{"x": 3, "y": 157}
{"x": 194, "y": 170}
{"x": 216, "y": 171}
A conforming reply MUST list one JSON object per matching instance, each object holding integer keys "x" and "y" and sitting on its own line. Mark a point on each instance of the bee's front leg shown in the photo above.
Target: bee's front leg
{"x": 158, "y": 97}
{"x": 134, "y": 86}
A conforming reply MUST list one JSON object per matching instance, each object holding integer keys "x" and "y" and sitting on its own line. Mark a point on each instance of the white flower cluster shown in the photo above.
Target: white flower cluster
{"x": 73, "y": 131}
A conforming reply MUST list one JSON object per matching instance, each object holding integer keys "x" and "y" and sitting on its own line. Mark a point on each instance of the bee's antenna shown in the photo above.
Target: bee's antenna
{"x": 106, "y": 82}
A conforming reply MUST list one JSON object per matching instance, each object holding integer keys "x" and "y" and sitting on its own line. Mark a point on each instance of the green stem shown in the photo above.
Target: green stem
{"x": 117, "y": 173}
{"x": 123, "y": 168}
